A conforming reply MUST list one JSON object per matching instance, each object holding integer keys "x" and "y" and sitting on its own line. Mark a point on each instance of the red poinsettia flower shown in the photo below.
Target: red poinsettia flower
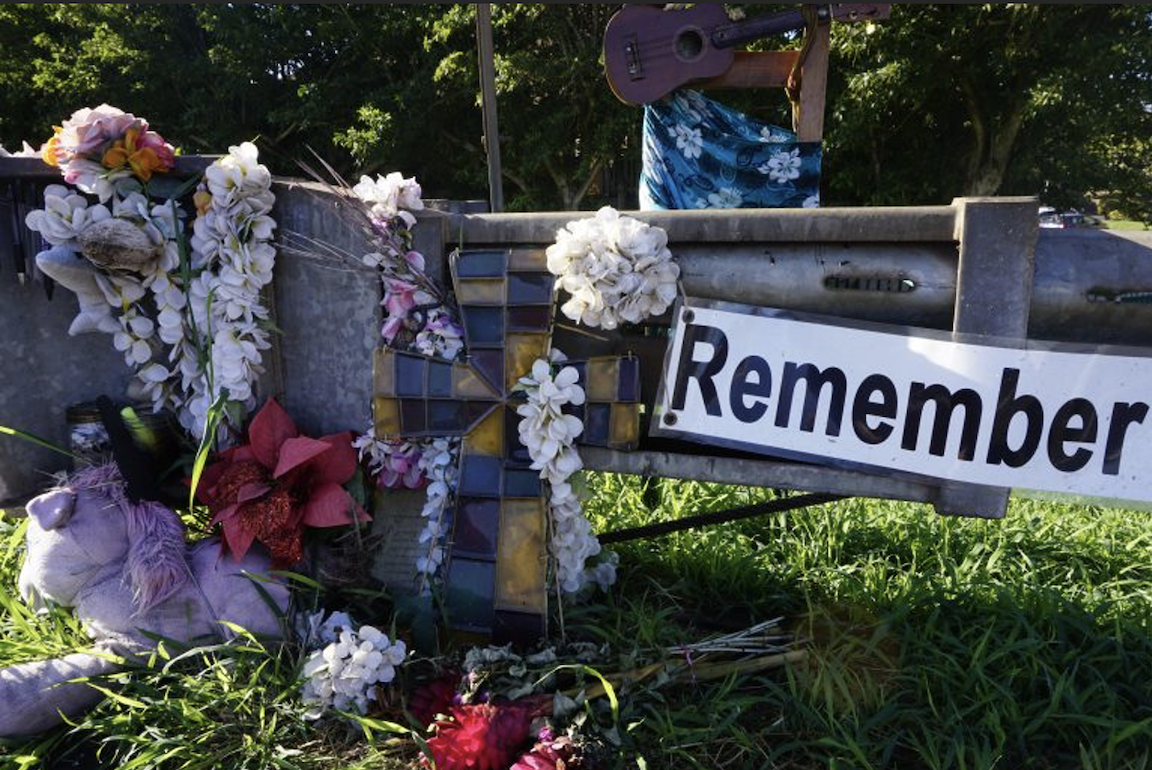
{"x": 278, "y": 483}
{"x": 485, "y": 736}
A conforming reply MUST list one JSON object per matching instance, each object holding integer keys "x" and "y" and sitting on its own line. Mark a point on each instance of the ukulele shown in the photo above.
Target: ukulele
{"x": 650, "y": 52}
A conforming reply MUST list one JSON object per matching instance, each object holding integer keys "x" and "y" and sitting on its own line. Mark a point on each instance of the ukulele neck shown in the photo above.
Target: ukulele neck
{"x": 740, "y": 32}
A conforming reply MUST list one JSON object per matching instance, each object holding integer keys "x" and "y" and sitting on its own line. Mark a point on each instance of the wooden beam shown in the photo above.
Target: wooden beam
{"x": 812, "y": 88}
{"x": 750, "y": 69}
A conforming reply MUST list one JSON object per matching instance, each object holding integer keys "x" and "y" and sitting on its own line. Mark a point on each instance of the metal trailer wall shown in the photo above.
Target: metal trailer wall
{"x": 886, "y": 264}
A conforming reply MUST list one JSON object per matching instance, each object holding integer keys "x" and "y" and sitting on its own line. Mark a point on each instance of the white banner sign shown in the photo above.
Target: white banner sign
{"x": 782, "y": 384}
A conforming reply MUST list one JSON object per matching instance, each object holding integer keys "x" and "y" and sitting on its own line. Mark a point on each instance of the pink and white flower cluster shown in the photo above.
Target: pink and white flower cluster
{"x": 101, "y": 150}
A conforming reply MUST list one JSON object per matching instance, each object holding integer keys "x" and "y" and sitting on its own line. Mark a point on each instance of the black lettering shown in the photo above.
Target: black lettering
{"x": 1123, "y": 415}
{"x": 742, "y": 387}
{"x": 944, "y": 403}
{"x": 815, "y": 381}
{"x": 864, "y": 407}
{"x": 1060, "y": 434}
{"x": 701, "y": 371}
{"x": 1007, "y": 407}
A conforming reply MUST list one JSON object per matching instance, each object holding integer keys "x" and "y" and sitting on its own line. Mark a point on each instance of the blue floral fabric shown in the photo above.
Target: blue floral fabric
{"x": 700, "y": 154}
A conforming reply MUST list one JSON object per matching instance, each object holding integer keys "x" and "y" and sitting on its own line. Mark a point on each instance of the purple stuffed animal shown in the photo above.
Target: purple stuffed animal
{"x": 124, "y": 568}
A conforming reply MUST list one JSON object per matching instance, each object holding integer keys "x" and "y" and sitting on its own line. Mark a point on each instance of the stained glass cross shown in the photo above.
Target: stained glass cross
{"x": 496, "y": 569}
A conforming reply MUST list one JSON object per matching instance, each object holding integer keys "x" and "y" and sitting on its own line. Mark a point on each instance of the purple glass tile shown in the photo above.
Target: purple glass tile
{"x": 439, "y": 379}
{"x": 412, "y": 418}
{"x": 530, "y": 318}
{"x": 490, "y": 364}
{"x": 519, "y": 628}
{"x": 483, "y": 326}
{"x": 477, "y": 526}
{"x": 629, "y": 384}
{"x": 521, "y": 483}
{"x": 445, "y": 416}
{"x": 596, "y": 418}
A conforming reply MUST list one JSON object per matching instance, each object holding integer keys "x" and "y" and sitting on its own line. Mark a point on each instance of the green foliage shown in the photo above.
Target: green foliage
{"x": 933, "y": 642}
{"x": 939, "y": 101}
{"x": 973, "y": 99}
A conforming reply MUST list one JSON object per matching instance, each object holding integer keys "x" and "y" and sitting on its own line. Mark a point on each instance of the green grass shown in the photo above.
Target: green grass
{"x": 935, "y": 643}
{"x": 1124, "y": 224}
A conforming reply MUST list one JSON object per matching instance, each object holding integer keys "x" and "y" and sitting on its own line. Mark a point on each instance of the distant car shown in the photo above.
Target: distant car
{"x": 1050, "y": 217}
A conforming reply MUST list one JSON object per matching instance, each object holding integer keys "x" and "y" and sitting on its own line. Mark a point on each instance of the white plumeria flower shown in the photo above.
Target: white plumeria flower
{"x": 549, "y": 435}
{"x": 344, "y": 674}
{"x": 390, "y": 196}
{"x": 65, "y": 215}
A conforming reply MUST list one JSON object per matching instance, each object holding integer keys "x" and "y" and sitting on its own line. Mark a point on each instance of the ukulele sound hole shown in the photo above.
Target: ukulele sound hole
{"x": 689, "y": 44}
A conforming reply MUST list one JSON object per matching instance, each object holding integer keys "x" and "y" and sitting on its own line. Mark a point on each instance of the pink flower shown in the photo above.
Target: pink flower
{"x": 399, "y": 297}
{"x": 164, "y": 151}
{"x": 416, "y": 259}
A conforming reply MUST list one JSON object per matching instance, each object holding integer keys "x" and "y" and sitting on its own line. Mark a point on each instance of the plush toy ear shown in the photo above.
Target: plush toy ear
{"x": 156, "y": 564}
{"x": 52, "y": 510}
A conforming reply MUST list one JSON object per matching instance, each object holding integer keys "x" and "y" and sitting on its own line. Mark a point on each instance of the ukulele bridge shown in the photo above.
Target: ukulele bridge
{"x": 632, "y": 58}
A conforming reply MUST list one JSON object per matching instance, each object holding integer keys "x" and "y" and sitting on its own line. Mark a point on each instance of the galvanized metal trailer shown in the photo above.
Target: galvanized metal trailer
{"x": 976, "y": 266}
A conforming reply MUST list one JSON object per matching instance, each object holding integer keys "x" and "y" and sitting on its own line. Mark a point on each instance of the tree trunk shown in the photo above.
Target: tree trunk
{"x": 992, "y": 150}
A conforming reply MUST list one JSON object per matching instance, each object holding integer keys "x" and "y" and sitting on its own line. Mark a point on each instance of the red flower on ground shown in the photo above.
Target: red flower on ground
{"x": 269, "y": 489}
{"x": 484, "y": 736}
{"x": 433, "y": 698}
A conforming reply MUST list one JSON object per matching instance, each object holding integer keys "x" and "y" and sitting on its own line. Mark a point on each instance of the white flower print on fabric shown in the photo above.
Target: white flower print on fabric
{"x": 783, "y": 166}
{"x": 689, "y": 141}
{"x": 725, "y": 198}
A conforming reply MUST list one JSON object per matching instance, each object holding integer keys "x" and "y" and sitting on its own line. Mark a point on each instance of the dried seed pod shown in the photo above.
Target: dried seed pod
{"x": 118, "y": 244}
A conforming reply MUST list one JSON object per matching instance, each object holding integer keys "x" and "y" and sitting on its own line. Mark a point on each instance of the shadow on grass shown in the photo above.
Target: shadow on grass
{"x": 934, "y": 643}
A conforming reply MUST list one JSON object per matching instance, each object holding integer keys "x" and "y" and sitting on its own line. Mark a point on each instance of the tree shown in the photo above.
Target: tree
{"x": 985, "y": 99}
{"x": 939, "y": 101}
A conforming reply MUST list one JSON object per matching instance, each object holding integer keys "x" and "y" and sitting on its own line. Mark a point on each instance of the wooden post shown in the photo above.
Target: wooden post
{"x": 487, "y": 66}
{"x": 812, "y": 87}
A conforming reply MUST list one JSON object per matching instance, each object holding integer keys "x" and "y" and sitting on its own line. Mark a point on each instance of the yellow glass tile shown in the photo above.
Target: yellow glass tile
{"x": 467, "y": 384}
{"x": 386, "y": 415}
{"x": 480, "y": 291}
{"x": 521, "y": 559}
{"x": 527, "y": 259}
{"x": 624, "y": 426}
{"x": 520, "y": 352}
{"x": 600, "y": 382}
{"x": 383, "y": 372}
{"x": 487, "y": 438}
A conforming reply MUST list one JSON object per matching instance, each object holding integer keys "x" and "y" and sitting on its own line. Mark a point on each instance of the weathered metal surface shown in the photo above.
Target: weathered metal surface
{"x": 881, "y": 224}
{"x": 43, "y": 372}
{"x": 993, "y": 296}
{"x": 328, "y": 307}
{"x": 34, "y": 168}
{"x": 756, "y": 472}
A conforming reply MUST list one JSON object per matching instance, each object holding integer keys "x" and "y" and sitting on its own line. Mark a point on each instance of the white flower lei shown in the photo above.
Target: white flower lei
{"x": 232, "y": 248}
{"x": 345, "y": 672}
{"x": 231, "y": 259}
{"x": 615, "y": 268}
{"x": 550, "y": 437}
{"x": 65, "y": 216}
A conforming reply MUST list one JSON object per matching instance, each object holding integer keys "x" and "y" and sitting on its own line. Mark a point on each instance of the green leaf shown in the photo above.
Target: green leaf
{"x": 33, "y": 438}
